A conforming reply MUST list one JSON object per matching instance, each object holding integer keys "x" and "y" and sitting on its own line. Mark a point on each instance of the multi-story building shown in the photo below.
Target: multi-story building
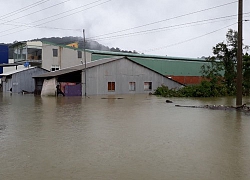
{"x": 47, "y": 55}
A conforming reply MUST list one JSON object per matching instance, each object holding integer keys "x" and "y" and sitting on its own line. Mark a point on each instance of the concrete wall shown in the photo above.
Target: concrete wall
{"x": 22, "y": 80}
{"x": 122, "y": 72}
{"x": 67, "y": 57}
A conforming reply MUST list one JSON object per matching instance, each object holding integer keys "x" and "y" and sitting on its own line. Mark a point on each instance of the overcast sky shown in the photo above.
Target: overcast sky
{"x": 187, "y": 28}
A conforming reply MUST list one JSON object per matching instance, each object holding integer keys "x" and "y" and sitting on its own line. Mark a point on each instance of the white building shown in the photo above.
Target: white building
{"x": 47, "y": 55}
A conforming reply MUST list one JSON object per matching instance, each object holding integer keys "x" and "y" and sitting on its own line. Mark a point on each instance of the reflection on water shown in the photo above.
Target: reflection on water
{"x": 132, "y": 137}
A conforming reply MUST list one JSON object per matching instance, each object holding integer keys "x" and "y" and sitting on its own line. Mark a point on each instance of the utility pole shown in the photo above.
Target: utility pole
{"x": 239, "y": 56}
{"x": 85, "y": 64}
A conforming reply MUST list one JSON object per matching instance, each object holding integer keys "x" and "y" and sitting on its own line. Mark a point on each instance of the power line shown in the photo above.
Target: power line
{"x": 177, "y": 26}
{"x": 62, "y": 16}
{"x": 183, "y": 25}
{"x": 191, "y": 39}
{"x": 160, "y": 21}
{"x": 23, "y": 9}
{"x": 34, "y": 13}
{"x": 42, "y": 27}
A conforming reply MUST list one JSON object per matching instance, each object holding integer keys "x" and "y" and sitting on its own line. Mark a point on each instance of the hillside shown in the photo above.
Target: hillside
{"x": 93, "y": 45}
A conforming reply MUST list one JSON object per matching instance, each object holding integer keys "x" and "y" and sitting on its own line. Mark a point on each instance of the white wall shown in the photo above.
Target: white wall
{"x": 67, "y": 57}
{"x": 12, "y": 68}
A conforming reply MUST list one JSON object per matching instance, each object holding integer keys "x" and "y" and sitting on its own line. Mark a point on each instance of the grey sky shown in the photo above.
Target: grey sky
{"x": 183, "y": 37}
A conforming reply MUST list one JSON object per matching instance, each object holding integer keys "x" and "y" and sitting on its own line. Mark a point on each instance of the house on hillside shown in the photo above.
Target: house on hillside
{"x": 108, "y": 76}
{"x": 20, "y": 80}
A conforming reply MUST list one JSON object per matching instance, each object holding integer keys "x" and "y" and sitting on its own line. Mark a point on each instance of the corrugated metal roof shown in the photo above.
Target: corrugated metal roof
{"x": 77, "y": 68}
{"x": 16, "y": 71}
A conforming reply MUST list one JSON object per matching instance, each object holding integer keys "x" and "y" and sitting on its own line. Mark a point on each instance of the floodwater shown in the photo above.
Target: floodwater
{"x": 134, "y": 137}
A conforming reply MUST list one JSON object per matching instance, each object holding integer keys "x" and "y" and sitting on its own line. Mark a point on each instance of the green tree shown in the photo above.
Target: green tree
{"x": 246, "y": 74}
{"x": 227, "y": 53}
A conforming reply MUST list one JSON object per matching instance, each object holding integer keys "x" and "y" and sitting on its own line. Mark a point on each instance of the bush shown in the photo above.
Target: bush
{"x": 205, "y": 89}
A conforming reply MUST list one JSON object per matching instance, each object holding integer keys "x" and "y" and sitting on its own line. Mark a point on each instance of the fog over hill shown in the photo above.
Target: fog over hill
{"x": 93, "y": 45}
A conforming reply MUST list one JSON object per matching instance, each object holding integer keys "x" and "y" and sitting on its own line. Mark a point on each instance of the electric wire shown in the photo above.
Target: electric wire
{"x": 23, "y": 9}
{"x": 33, "y": 13}
{"x": 37, "y": 26}
{"x": 160, "y": 21}
{"x": 157, "y": 21}
{"x": 171, "y": 45}
{"x": 177, "y": 26}
{"x": 61, "y": 17}
{"x": 191, "y": 39}
{"x": 126, "y": 29}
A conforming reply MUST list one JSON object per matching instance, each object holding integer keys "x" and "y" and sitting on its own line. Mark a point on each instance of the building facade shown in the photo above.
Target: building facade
{"x": 110, "y": 76}
{"x": 47, "y": 55}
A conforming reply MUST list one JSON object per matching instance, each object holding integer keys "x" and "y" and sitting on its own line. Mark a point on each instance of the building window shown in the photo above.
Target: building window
{"x": 79, "y": 54}
{"x": 147, "y": 86}
{"x": 55, "y": 52}
{"x": 55, "y": 68}
{"x": 131, "y": 86}
{"x": 111, "y": 86}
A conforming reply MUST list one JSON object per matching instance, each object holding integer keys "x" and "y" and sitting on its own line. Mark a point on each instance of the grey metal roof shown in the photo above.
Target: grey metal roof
{"x": 77, "y": 68}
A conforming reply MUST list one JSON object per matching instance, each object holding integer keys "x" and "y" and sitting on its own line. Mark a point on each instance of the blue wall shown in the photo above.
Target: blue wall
{"x": 4, "y": 52}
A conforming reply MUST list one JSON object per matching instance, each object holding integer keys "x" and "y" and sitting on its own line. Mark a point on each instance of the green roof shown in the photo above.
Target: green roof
{"x": 143, "y": 55}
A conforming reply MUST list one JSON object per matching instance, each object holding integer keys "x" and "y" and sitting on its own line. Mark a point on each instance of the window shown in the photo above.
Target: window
{"x": 55, "y": 68}
{"x": 55, "y": 52}
{"x": 79, "y": 54}
{"x": 147, "y": 86}
{"x": 111, "y": 86}
{"x": 131, "y": 86}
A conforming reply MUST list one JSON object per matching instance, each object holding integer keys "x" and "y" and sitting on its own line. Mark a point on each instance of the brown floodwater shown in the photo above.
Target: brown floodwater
{"x": 129, "y": 137}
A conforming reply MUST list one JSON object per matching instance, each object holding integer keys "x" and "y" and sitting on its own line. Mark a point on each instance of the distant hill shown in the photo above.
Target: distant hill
{"x": 93, "y": 45}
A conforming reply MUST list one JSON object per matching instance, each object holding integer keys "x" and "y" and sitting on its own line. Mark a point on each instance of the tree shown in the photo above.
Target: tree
{"x": 227, "y": 53}
{"x": 246, "y": 74}
{"x": 224, "y": 60}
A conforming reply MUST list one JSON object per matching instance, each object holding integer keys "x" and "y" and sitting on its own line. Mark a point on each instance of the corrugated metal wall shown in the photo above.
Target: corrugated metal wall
{"x": 22, "y": 80}
{"x": 122, "y": 72}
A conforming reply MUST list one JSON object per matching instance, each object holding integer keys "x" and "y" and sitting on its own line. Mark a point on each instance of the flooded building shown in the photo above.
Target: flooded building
{"x": 18, "y": 81}
{"x": 49, "y": 56}
{"x": 109, "y": 76}
{"x": 184, "y": 70}
{"x": 54, "y": 57}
